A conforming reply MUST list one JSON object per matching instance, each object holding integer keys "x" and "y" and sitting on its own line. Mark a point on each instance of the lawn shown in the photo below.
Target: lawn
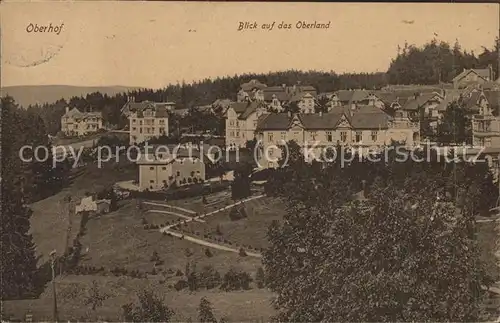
{"x": 247, "y": 231}
{"x": 72, "y": 291}
{"x": 49, "y": 221}
{"x": 118, "y": 239}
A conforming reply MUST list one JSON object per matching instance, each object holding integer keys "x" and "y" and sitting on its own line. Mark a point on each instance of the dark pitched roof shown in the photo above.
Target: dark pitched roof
{"x": 161, "y": 108}
{"x": 344, "y": 95}
{"x": 299, "y": 96}
{"x": 252, "y": 84}
{"x": 414, "y": 103}
{"x": 364, "y": 117}
{"x": 250, "y": 108}
{"x": 481, "y": 72}
{"x": 273, "y": 121}
{"x": 493, "y": 98}
{"x": 238, "y": 107}
{"x": 471, "y": 102}
{"x": 279, "y": 91}
{"x": 245, "y": 109}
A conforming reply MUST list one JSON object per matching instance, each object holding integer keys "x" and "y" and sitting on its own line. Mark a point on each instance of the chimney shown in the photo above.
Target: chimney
{"x": 283, "y": 85}
{"x": 67, "y": 109}
{"x": 490, "y": 69}
{"x": 353, "y": 106}
{"x": 320, "y": 113}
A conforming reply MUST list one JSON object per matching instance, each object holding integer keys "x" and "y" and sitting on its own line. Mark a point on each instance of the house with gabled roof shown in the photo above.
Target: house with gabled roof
{"x": 486, "y": 122}
{"x": 131, "y": 106}
{"x": 362, "y": 127}
{"x": 425, "y": 106}
{"x": 241, "y": 121}
{"x": 148, "y": 120}
{"x": 473, "y": 76}
{"x": 355, "y": 97}
{"x": 77, "y": 123}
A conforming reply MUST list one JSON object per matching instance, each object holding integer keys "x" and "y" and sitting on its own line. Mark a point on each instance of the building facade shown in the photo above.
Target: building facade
{"x": 241, "y": 122}
{"x": 486, "y": 128}
{"x": 76, "y": 123}
{"x": 148, "y": 120}
{"x": 364, "y": 128}
{"x": 161, "y": 168}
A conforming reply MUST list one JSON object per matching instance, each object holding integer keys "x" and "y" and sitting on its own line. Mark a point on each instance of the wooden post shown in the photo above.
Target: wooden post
{"x": 54, "y": 308}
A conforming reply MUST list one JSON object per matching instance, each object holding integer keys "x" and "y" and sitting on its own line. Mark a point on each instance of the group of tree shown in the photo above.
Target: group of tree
{"x": 407, "y": 251}
{"x": 152, "y": 308}
{"x": 23, "y": 182}
{"x": 436, "y": 62}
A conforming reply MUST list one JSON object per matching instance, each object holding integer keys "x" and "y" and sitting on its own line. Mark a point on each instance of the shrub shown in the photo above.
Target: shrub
{"x": 209, "y": 277}
{"x": 179, "y": 273}
{"x": 193, "y": 281}
{"x": 150, "y": 309}
{"x": 260, "y": 278}
{"x": 208, "y": 253}
{"x": 236, "y": 280}
{"x": 180, "y": 285}
{"x": 242, "y": 252}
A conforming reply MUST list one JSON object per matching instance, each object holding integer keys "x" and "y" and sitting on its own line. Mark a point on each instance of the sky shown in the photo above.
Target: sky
{"x": 153, "y": 44}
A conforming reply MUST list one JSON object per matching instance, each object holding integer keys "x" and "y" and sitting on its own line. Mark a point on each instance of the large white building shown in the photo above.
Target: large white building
{"x": 241, "y": 122}
{"x": 147, "y": 120}
{"x": 77, "y": 123}
{"x": 359, "y": 127}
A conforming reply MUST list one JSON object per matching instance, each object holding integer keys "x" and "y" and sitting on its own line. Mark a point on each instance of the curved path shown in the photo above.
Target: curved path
{"x": 167, "y": 228}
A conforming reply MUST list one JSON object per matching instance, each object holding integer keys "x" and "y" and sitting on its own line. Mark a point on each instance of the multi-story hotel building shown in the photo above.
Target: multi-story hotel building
{"x": 241, "y": 122}
{"x": 76, "y": 123}
{"x": 148, "y": 120}
{"x": 360, "y": 127}
{"x": 160, "y": 167}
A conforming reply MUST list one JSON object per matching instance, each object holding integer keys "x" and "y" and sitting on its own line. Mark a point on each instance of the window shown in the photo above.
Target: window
{"x": 343, "y": 136}
{"x": 374, "y": 135}
{"x": 237, "y": 133}
{"x": 151, "y": 168}
{"x": 140, "y": 122}
{"x": 329, "y": 136}
{"x": 270, "y": 137}
{"x": 313, "y": 135}
{"x": 237, "y": 124}
{"x": 162, "y": 121}
{"x": 140, "y": 130}
{"x": 178, "y": 173}
{"x": 359, "y": 136}
{"x": 133, "y": 120}
{"x": 231, "y": 123}
{"x": 164, "y": 168}
{"x": 271, "y": 151}
{"x": 283, "y": 135}
{"x": 152, "y": 181}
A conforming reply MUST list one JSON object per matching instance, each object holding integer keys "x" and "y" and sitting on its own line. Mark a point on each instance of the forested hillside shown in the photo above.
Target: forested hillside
{"x": 430, "y": 64}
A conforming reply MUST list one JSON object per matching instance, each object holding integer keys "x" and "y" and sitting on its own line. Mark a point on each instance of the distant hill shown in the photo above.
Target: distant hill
{"x": 31, "y": 94}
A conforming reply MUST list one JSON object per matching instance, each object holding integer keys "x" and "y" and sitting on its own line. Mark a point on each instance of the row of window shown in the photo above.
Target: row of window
{"x": 149, "y": 121}
{"x": 329, "y": 136}
{"x": 148, "y": 130}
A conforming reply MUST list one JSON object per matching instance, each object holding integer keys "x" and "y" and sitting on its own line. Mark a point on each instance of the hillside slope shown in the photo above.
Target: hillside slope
{"x": 31, "y": 94}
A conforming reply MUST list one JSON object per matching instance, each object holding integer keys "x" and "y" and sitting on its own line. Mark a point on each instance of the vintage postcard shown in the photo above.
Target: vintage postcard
{"x": 250, "y": 162}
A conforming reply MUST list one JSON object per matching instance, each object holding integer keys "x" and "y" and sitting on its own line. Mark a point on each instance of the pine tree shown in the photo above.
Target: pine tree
{"x": 18, "y": 254}
{"x": 205, "y": 314}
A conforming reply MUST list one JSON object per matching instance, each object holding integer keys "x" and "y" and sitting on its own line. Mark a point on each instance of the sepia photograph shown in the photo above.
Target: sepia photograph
{"x": 250, "y": 162}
